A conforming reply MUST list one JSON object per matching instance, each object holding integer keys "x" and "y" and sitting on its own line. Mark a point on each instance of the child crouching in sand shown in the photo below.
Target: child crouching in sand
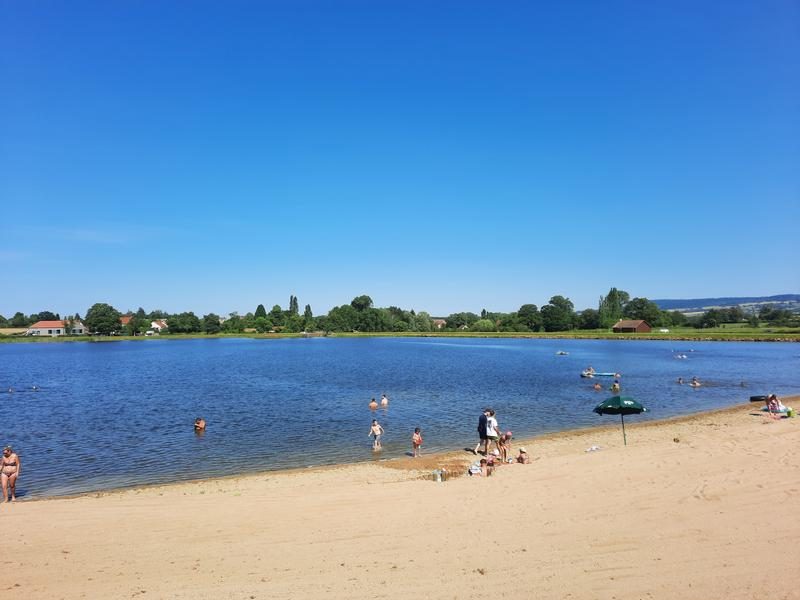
{"x": 416, "y": 442}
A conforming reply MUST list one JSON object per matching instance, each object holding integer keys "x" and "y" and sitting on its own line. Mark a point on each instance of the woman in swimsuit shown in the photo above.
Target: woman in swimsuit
{"x": 9, "y": 471}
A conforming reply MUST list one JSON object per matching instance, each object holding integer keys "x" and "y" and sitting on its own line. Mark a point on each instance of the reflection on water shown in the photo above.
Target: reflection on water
{"x": 114, "y": 414}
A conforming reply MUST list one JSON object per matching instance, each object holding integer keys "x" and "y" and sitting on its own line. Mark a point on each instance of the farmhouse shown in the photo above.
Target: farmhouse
{"x": 623, "y": 326}
{"x": 56, "y": 328}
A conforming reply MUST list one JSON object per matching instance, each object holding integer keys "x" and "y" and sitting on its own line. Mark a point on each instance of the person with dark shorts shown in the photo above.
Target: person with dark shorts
{"x": 482, "y": 420}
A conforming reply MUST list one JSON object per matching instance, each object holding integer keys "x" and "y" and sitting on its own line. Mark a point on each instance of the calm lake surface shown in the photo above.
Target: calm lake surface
{"x": 120, "y": 413}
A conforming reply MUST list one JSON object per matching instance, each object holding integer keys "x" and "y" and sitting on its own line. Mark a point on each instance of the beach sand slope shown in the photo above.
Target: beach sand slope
{"x": 702, "y": 507}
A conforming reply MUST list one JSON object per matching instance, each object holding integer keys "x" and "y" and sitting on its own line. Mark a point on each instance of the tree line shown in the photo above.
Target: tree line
{"x": 361, "y": 316}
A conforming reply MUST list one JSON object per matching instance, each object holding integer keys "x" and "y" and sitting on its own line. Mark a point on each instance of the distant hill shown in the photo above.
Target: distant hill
{"x": 748, "y": 303}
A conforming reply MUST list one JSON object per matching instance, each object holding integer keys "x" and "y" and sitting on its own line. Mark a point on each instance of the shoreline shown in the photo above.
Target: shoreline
{"x": 717, "y": 336}
{"x": 694, "y": 507}
{"x": 422, "y": 468}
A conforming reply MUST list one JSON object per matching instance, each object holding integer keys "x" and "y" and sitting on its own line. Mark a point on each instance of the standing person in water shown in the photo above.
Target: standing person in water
{"x": 372, "y": 404}
{"x": 9, "y": 472}
{"x": 376, "y": 431}
{"x": 416, "y": 442}
{"x": 384, "y": 400}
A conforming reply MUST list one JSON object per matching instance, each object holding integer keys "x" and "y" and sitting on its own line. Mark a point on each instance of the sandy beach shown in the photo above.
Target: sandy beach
{"x": 697, "y": 507}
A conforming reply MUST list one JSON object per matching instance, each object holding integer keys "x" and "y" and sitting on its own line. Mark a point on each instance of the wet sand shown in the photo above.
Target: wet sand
{"x": 696, "y": 507}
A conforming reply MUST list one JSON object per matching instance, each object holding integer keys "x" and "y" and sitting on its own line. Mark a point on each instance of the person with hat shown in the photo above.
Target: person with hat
{"x": 522, "y": 457}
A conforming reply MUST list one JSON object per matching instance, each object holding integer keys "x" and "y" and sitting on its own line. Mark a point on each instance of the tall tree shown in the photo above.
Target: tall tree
{"x": 260, "y": 311}
{"x": 19, "y": 320}
{"x": 361, "y": 303}
{"x": 611, "y": 306}
{"x": 103, "y": 319}
{"x": 644, "y": 309}
{"x": 294, "y": 308}
{"x": 211, "y": 323}
{"x": 529, "y": 316}
{"x": 558, "y": 314}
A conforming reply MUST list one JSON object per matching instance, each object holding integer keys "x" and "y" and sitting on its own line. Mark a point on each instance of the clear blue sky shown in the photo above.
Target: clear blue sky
{"x": 440, "y": 156}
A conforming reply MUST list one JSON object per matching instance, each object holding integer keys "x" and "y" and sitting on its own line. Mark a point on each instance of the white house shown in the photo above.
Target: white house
{"x": 56, "y": 328}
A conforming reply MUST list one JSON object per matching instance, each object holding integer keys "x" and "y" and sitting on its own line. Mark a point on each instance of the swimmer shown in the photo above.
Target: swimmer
{"x": 597, "y": 387}
{"x": 372, "y": 404}
{"x": 680, "y": 380}
{"x": 199, "y": 424}
{"x": 695, "y": 382}
{"x": 615, "y": 386}
{"x": 384, "y": 400}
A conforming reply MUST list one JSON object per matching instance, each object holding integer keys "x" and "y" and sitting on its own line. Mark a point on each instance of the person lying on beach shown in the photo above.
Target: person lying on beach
{"x": 376, "y": 431}
{"x": 522, "y": 457}
{"x": 416, "y": 442}
{"x": 372, "y": 404}
{"x": 9, "y": 472}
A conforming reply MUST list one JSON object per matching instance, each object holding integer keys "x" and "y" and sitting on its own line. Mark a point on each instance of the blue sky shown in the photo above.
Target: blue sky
{"x": 441, "y": 156}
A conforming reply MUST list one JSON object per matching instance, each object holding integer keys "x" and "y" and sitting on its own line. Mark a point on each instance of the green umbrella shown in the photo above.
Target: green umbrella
{"x": 620, "y": 405}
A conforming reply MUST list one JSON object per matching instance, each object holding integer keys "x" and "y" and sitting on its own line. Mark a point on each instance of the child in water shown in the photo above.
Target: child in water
{"x": 416, "y": 442}
{"x": 376, "y": 431}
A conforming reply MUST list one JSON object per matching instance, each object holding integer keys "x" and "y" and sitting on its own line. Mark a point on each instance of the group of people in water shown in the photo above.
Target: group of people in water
{"x": 695, "y": 382}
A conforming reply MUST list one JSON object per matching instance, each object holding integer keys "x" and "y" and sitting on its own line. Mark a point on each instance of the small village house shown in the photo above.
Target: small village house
{"x": 631, "y": 326}
{"x": 56, "y": 328}
{"x": 439, "y": 323}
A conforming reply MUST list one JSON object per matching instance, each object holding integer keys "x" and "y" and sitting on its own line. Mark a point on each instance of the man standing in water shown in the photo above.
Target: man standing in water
{"x": 484, "y": 441}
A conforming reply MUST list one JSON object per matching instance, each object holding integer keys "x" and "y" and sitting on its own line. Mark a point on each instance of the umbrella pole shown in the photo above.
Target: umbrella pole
{"x": 622, "y": 418}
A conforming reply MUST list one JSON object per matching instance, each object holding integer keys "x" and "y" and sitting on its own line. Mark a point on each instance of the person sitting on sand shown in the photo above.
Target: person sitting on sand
{"x": 384, "y": 400}
{"x": 486, "y": 469}
{"x": 376, "y": 431}
{"x": 774, "y": 405}
{"x": 522, "y": 457}
{"x": 9, "y": 472}
{"x": 416, "y": 441}
{"x": 372, "y": 404}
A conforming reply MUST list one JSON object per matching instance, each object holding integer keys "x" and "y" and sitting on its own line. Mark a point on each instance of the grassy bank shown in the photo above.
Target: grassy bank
{"x": 729, "y": 333}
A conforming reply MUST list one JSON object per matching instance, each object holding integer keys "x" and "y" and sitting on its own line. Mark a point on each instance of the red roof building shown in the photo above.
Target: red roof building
{"x": 631, "y": 326}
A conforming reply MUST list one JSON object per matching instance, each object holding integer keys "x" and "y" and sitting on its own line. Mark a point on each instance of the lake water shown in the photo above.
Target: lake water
{"x": 120, "y": 413}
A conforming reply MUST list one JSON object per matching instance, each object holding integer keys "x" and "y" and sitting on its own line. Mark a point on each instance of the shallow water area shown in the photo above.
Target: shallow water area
{"x": 118, "y": 414}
